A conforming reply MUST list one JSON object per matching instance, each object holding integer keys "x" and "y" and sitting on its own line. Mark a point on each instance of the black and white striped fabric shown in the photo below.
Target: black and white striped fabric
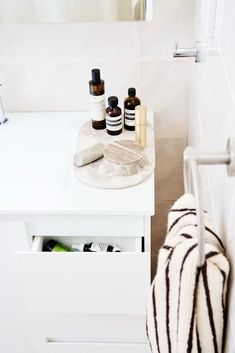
{"x": 187, "y": 305}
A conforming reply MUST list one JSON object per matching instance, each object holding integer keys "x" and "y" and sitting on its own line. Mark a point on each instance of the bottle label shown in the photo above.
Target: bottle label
{"x": 97, "y": 116}
{"x": 97, "y": 99}
{"x": 99, "y": 247}
{"x": 114, "y": 123}
{"x": 129, "y": 117}
{"x": 97, "y": 108}
{"x": 96, "y": 247}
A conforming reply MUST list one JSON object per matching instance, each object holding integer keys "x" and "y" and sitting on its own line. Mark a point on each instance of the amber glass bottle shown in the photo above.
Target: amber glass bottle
{"x": 113, "y": 117}
{"x": 97, "y": 99}
{"x": 129, "y": 109}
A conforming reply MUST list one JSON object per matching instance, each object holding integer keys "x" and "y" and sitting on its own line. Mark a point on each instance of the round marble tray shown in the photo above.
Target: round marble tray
{"x": 99, "y": 173}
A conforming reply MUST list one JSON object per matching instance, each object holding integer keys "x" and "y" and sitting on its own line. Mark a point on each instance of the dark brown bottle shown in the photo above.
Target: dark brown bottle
{"x": 97, "y": 99}
{"x": 55, "y": 246}
{"x": 113, "y": 117}
{"x": 129, "y": 109}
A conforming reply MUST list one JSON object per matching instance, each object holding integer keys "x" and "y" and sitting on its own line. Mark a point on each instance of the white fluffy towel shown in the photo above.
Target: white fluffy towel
{"x": 187, "y": 305}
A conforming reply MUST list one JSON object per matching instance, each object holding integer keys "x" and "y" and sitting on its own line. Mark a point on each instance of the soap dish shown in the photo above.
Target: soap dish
{"x": 124, "y": 157}
{"x": 107, "y": 172}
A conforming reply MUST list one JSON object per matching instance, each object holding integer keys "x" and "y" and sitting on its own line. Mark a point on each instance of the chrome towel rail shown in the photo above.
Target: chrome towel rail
{"x": 192, "y": 183}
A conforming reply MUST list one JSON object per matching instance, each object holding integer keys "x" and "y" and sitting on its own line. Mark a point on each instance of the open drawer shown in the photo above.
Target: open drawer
{"x": 76, "y": 282}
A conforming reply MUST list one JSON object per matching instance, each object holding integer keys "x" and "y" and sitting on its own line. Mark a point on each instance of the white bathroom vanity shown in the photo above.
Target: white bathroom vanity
{"x": 68, "y": 302}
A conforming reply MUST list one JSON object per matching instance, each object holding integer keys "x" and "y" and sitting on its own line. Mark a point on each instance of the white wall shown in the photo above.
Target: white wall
{"x": 47, "y": 67}
{"x": 212, "y": 122}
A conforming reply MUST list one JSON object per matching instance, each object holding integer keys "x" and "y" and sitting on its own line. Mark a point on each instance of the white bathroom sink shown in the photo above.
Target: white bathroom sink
{"x": 36, "y": 153}
{"x": 37, "y": 172}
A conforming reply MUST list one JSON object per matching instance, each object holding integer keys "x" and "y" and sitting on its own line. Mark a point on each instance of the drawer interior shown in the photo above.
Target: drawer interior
{"x": 126, "y": 244}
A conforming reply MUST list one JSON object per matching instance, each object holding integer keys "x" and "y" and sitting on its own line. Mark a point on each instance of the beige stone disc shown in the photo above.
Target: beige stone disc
{"x": 125, "y": 157}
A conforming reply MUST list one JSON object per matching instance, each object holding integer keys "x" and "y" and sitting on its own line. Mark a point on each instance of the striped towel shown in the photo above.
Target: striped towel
{"x": 187, "y": 305}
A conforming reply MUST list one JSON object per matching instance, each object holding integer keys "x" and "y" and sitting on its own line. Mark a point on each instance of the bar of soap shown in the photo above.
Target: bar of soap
{"x": 89, "y": 155}
{"x": 125, "y": 157}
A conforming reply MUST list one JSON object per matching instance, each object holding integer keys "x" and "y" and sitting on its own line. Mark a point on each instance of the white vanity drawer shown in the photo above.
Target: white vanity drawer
{"x": 75, "y": 282}
{"x": 93, "y": 327}
{"x": 73, "y": 347}
{"x": 86, "y": 225}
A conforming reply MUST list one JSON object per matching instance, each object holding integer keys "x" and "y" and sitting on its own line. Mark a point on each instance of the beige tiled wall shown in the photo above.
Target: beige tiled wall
{"x": 47, "y": 68}
{"x": 169, "y": 186}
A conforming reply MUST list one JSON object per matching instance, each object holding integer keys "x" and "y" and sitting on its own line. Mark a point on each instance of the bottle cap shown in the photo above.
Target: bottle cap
{"x": 141, "y": 115}
{"x": 131, "y": 92}
{"x": 49, "y": 245}
{"x": 95, "y": 73}
{"x": 113, "y": 101}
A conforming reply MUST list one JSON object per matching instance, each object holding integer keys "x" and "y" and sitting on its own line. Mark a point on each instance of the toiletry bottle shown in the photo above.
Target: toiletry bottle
{"x": 113, "y": 117}
{"x": 97, "y": 99}
{"x": 129, "y": 109}
{"x": 54, "y": 246}
{"x": 141, "y": 125}
{"x": 96, "y": 247}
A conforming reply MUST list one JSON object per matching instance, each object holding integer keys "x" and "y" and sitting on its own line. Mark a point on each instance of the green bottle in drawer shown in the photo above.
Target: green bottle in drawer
{"x": 54, "y": 246}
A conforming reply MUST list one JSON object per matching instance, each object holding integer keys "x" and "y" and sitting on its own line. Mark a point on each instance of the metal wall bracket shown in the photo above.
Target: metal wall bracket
{"x": 195, "y": 52}
{"x": 231, "y": 151}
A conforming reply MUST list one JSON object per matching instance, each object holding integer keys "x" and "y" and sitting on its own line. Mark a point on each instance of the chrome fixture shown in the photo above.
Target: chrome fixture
{"x": 3, "y": 118}
{"x": 195, "y": 52}
{"x": 192, "y": 182}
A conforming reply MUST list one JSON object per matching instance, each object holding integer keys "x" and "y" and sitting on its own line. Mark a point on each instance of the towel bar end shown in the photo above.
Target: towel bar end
{"x": 231, "y": 150}
{"x": 189, "y": 153}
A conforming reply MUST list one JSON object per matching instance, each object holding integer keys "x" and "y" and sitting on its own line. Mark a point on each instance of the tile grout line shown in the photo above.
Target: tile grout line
{"x": 62, "y": 61}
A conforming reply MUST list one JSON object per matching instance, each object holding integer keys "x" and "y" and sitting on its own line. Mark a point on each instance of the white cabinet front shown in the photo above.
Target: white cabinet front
{"x": 74, "y": 282}
{"x": 97, "y": 348}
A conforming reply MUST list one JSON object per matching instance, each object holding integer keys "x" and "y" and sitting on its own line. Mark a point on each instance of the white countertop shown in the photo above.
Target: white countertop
{"x": 37, "y": 172}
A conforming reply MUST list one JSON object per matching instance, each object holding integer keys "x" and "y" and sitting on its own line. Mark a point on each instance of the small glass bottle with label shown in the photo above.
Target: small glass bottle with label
{"x": 96, "y": 247}
{"x": 97, "y": 99}
{"x": 129, "y": 109}
{"x": 113, "y": 117}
